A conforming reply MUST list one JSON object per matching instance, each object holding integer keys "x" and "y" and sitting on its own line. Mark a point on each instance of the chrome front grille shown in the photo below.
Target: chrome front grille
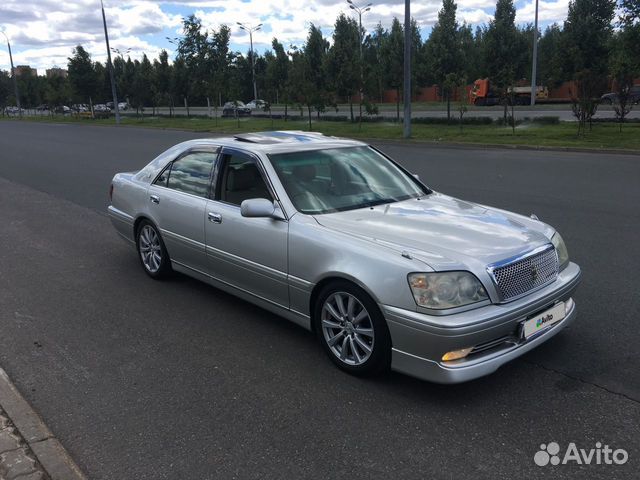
{"x": 518, "y": 276}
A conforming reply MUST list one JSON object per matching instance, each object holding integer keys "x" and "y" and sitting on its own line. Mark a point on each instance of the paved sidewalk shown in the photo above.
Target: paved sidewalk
{"x": 28, "y": 449}
{"x": 16, "y": 458}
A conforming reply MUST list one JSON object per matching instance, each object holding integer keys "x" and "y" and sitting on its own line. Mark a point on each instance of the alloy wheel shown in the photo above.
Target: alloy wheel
{"x": 347, "y": 328}
{"x": 150, "y": 249}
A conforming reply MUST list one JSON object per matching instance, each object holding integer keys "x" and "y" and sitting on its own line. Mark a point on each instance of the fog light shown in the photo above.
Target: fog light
{"x": 456, "y": 354}
{"x": 568, "y": 305}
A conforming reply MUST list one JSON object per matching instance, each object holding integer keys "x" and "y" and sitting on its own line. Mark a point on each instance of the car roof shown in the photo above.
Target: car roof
{"x": 281, "y": 141}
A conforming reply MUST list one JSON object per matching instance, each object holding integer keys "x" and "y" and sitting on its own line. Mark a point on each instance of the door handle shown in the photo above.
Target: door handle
{"x": 154, "y": 198}
{"x": 214, "y": 217}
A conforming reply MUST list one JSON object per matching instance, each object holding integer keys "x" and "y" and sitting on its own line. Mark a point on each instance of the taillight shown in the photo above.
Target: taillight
{"x": 111, "y": 192}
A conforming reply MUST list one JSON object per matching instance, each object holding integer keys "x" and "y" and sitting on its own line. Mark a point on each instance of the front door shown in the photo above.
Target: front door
{"x": 248, "y": 253}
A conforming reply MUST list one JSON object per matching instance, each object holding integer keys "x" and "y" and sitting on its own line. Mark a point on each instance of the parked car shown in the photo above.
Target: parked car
{"x": 237, "y": 108}
{"x": 43, "y": 107}
{"x": 123, "y": 106}
{"x": 337, "y": 237}
{"x": 62, "y": 109}
{"x": 13, "y": 110}
{"x": 611, "y": 98}
{"x": 256, "y": 104}
{"x": 80, "y": 107}
{"x": 100, "y": 107}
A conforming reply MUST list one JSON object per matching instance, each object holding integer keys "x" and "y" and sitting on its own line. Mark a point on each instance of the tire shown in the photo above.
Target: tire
{"x": 362, "y": 344}
{"x": 150, "y": 246}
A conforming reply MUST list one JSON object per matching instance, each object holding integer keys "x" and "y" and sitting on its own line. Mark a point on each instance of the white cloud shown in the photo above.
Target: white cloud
{"x": 44, "y": 32}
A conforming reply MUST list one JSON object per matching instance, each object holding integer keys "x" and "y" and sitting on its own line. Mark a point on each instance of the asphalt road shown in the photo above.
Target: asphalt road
{"x": 153, "y": 380}
{"x": 563, "y": 112}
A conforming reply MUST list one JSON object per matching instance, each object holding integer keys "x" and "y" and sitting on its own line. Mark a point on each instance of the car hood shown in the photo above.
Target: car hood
{"x": 442, "y": 231}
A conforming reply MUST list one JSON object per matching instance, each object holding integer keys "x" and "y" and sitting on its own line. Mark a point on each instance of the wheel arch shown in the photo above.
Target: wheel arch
{"x": 332, "y": 278}
{"x": 138, "y": 221}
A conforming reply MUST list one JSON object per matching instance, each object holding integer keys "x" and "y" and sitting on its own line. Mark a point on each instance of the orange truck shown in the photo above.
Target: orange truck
{"x": 483, "y": 94}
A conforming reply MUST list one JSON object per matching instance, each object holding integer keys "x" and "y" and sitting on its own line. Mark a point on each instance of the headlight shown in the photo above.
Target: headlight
{"x": 443, "y": 290}
{"x": 561, "y": 248}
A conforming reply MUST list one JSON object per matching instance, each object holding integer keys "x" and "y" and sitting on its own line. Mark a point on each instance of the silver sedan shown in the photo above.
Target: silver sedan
{"x": 340, "y": 239}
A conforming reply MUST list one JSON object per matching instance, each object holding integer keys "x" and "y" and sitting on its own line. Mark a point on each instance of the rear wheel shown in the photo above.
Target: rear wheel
{"x": 151, "y": 250}
{"x": 351, "y": 329}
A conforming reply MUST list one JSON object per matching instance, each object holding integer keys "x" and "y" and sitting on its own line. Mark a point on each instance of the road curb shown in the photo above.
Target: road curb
{"x": 51, "y": 455}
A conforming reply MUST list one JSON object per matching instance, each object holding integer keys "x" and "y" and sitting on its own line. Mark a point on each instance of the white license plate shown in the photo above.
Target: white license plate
{"x": 543, "y": 320}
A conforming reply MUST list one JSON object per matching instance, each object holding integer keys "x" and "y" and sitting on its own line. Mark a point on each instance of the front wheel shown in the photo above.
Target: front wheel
{"x": 153, "y": 254}
{"x": 351, "y": 329}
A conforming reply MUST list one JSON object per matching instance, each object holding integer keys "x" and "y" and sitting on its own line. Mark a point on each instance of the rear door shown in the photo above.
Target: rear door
{"x": 177, "y": 202}
{"x": 248, "y": 253}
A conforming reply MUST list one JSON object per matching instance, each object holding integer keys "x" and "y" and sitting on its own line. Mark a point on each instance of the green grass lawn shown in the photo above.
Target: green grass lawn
{"x": 603, "y": 136}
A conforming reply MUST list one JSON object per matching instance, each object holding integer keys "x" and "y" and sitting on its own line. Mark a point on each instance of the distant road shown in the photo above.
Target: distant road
{"x": 562, "y": 111}
{"x": 389, "y": 111}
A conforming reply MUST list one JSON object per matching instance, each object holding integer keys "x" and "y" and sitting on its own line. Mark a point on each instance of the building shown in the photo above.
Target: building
{"x": 25, "y": 70}
{"x": 57, "y": 72}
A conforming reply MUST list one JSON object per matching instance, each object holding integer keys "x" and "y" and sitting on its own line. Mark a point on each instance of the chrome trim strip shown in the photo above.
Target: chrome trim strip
{"x": 231, "y": 285}
{"x": 300, "y": 283}
{"x": 119, "y": 214}
{"x": 180, "y": 238}
{"x": 247, "y": 264}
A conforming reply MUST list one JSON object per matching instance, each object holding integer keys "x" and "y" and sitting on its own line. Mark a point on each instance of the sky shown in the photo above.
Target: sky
{"x": 43, "y": 33}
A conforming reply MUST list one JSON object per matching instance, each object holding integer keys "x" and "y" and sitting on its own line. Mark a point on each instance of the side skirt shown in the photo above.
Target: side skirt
{"x": 293, "y": 316}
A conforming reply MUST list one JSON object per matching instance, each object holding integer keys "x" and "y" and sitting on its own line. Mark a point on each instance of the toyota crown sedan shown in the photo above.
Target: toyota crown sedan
{"x": 335, "y": 236}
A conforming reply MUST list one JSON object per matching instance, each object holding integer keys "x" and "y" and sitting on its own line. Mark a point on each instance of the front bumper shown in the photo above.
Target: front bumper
{"x": 420, "y": 340}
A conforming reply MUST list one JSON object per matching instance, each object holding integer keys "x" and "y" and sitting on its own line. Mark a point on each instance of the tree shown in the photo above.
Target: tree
{"x": 629, "y": 34}
{"x": 299, "y": 81}
{"x": 500, "y": 43}
{"x": 623, "y": 67}
{"x": 278, "y": 72}
{"x": 551, "y": 58}
{"x": 180, "y": 84}
{"x": 373, "y": 62}
{"x": 220, "y": 64}
{"x": 57, "y": 92}
{"x": 343, "y": 67}
{"x": 193, "y": 50}
{"x": 5, "y": 89}
{"x": 443, "y": 48}
{"x": 393, "y": 60}
{"x": 82, "y": 76}
{"x": 586, "y": 96}
{"x": 162, "y": 75}
{"x": 315, "y": 55}
{"x": 587, "y": 32}
{"x": 470, "y": 53}
{"x": 141, "y": 94}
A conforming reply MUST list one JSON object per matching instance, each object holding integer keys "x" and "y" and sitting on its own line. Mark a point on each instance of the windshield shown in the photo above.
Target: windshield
{"x": 338, "y": 179}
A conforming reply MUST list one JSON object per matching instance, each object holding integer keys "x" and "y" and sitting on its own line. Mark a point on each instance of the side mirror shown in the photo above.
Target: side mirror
{"x": 260, "y": 208}
{"x": 416, "y": 176}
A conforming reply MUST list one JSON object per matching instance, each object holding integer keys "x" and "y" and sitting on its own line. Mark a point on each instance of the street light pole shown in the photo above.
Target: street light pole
{"x": 250, "y": 29}
{"x": 110, "y": 67}
{"x": 360, "y": 11}
{"x": 13, "y": 75}
{"x": 407, "y": 69}
{"x": 534, "y": 67}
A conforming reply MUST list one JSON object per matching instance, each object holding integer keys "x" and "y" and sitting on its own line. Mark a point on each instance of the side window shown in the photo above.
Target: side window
{"x": 190, "y": 174}
{"x": 241, "y": 180}
{"x": 163, "y": 177}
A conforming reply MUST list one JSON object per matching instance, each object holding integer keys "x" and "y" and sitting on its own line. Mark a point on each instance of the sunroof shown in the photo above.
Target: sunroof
{"x": 279, "y": 137}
